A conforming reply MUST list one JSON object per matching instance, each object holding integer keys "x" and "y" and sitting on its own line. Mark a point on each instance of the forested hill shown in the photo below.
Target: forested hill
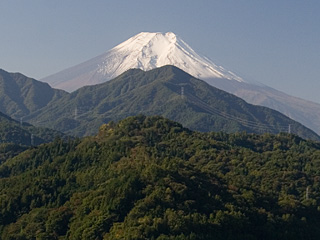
{"x": 150, "y": 178}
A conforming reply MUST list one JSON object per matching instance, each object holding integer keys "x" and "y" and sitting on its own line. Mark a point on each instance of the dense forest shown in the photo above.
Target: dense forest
{"x": 150, "y": 178}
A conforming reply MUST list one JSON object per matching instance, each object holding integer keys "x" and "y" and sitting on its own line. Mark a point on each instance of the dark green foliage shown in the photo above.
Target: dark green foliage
{"x": 158, "y": 92}
{"x": 9, "y": 150}
{"x": 12, "y": 131}
{"x": 150, "y": 178}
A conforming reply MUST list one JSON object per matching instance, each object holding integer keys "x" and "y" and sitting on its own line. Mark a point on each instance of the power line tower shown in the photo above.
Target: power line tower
{"x": 182, "y": 92}
{"x": 76, "y": 113}
{"x": 289, "y": 129}
{"x": 32, "y": 139}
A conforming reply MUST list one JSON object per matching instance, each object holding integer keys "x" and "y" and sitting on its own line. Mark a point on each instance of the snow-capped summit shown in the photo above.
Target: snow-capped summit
{"x": 144, "y": 51}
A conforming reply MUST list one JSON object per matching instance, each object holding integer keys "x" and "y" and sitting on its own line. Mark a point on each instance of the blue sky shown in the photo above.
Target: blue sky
{"x": 275, "y": 42}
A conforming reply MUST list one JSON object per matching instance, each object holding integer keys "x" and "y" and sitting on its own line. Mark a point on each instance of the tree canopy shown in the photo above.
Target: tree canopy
{"x": 150, "y": 178}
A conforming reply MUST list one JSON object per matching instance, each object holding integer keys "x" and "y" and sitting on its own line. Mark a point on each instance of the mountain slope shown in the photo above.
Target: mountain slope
{"x": 20, "y": 95}
{"x": 150, "y": 178}
{"x": 201, "y": 107}
{"x": 303, "y": 111}
{"x": 12, "y": 131}
{"x": 151, "y": 50}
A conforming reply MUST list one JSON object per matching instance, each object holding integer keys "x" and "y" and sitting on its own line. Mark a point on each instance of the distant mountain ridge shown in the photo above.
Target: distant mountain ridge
{"x": 21, "y": 95}
{"x": 149, "y": 50}
{"x": 166, "y": 91}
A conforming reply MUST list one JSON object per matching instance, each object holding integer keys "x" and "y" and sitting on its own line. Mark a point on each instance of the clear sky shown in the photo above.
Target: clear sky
{"x": 275, "y": 42}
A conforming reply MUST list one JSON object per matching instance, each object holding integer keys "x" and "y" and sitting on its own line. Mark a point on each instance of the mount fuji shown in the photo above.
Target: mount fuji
{"x": 147, "y": 51}
{"x": 144, "y": 51}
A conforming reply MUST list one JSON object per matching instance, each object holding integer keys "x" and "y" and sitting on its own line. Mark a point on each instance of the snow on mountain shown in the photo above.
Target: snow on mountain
{"x": 145, "y": 51}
